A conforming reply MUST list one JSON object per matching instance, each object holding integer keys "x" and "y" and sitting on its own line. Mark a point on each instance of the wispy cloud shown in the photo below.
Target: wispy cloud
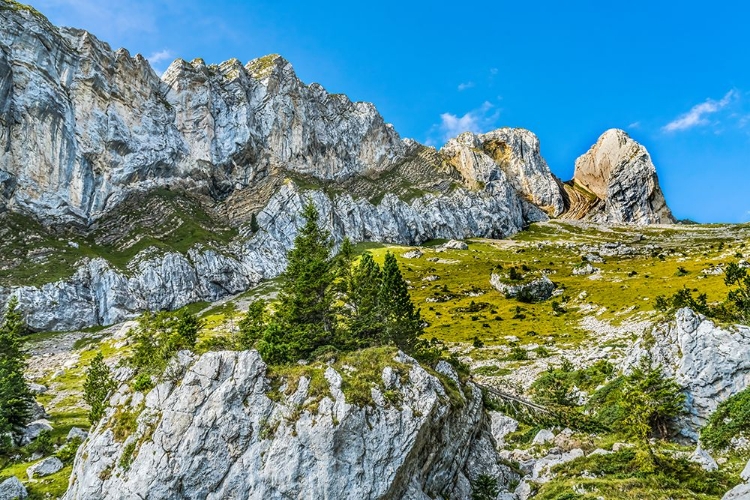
{"x": 464, "y": 86}
{"x": 477, "y": 120}
{"x": 698, "y": 113}
{"x": 160, "y": 56}
{"x": 635, "y": 125}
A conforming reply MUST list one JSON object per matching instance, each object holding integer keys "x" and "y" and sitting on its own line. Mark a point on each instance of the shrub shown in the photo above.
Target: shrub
{"x": 731, "y": 419}
{"x": 484, "y": 488}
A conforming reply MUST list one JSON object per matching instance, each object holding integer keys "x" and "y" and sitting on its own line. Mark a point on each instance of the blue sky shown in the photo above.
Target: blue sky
{"x": 675, "y": 75}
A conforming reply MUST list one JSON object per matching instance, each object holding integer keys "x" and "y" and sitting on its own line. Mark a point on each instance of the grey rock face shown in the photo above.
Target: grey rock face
{"x": 12, "y": 489}
{"x": 76, "y": 433}
{"x": 739, "y": 492}
{"x": 511, "y": 153}
{"x": 620, "y": 173}
{"x": 214, "y": 433}
{"x": 45, "y": 467}
{"x": 712, "y": 363}
{"x": 536, "y": 290}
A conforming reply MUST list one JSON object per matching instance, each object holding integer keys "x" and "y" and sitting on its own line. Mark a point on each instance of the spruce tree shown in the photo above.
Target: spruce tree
{"x": 97, "y": 387}
{"x": 15, "y": 396}
{"x": 402, "y": 323}
{"x": 305, "y": 304}
{"x": 254, "y": 227}
{"x": 365, "y": 322}
{"x": 252, "y": 325}
{"x": 186, "y": 332}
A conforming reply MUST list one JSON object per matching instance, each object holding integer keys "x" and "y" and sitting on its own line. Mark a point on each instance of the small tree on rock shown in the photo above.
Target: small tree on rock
{"x": 98, "y": 386}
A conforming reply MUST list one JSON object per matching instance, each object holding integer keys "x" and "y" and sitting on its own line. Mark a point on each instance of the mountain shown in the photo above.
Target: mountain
{"x": 124, "y": 191}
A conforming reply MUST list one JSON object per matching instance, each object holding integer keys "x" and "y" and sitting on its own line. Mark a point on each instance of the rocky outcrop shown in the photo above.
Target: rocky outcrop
{"x": 535, "y": 290}
{"x": 619, "y": 173}
{"x": 211, "y": 430}
{"x": 510, "y": 153}
{"x": 710, "y": 362}
{"x": 12, "y": 489}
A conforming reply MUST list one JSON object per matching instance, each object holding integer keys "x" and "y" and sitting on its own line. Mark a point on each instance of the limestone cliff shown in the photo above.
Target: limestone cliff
{"x": 215, "y": 430}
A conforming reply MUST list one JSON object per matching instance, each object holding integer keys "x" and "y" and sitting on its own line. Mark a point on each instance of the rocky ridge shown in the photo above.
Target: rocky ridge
{"x": 212, "y": 430}
{"x": 86, "y": 128}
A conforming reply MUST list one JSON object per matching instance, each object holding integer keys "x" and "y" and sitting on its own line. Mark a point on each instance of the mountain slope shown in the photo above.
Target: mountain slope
{"x": 88, "y": 132}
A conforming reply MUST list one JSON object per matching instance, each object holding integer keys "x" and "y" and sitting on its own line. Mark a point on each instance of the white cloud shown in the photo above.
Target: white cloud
{"x": 635, "y": 125}
{"x": 157, "y": 57}
{"x": 464, "y": 86}
{"x": 477, "y": 120}
{"x": 493, "y": 71}
{"x": 697, "y": 114}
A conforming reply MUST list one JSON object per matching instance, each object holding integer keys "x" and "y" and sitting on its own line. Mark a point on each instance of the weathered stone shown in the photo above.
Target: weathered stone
{"x": 412, "y": 254}
{"x": 619, "y": 172}
{"x": 544, "y": 436}
{"x": 585, "y": 270}
{"x": 76, "y": 433}
{"x": 739, "y": 492}
{"x": 454, "y": 245}
{"x": 32, "y": 431}
{"x": 702, "y": 458}
{"x": 12, "y": 489}
{"x": 501, "y": 425}
{"x": 535, "y": 290}
{"x": 262, "y": 448}
{"x": 46, "y": 467}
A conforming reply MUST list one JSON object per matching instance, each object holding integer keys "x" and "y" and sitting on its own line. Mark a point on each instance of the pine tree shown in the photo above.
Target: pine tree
{"x": 305, "y": 307}
{"x": 364, "y": 322}
{"x": 252, "y": 325}
{"x": 97, "y": 387}
{"x": 15, "y": 396}
{"x": 186, "y": 332}
{"x": 485, "y": 488}
{"x": 402, "y": 323}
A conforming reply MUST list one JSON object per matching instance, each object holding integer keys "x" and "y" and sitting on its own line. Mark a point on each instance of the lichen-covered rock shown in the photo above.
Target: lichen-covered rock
{"x": 12, "y": 489}
{"x": 619, "y": 172}
{"x": 48, "y": 466}
{"x": 536, "y": 290}
{"x": 210, "y": 431}
{"x": 710, "y": 362}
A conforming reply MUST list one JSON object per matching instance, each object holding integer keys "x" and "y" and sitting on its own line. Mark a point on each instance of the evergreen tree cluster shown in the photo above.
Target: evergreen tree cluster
{"x": 327, "y": 303}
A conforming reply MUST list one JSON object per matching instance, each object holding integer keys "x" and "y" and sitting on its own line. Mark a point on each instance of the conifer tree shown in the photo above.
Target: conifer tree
{"x": 365, "y": 319}
{"x": 305, "y": 305}
{"x": 15, "y": 396}
{"x": 254, "y": 227}
{"x": 97, "y": 387}
{"x": 402, "y": 323}
{"x": 185, "y": 332}
{"x": 252, "y": 325}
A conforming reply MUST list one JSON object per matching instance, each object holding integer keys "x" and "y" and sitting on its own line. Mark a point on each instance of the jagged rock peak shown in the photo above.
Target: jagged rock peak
{"x": 619, "y": 172}
{"x": 513, "y": 151}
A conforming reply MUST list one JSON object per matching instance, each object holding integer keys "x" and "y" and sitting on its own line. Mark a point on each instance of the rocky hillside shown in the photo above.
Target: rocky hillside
{"x": 88, "y": 132}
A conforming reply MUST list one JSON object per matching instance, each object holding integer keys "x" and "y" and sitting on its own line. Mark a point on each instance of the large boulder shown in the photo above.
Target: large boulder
{"x": 535, "y": 290}
{"x": 215, "y": 429}
{"x": 45, "y": 467}
{"x": 34, "y": 429}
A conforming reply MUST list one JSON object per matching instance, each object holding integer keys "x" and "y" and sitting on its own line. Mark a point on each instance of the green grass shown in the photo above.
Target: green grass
{"x": 164, "y": 220}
